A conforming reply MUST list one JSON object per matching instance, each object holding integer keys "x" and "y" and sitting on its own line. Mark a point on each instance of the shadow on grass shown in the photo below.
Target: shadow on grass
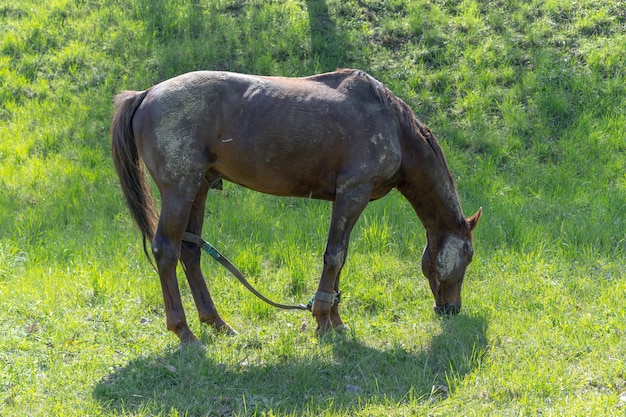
{"x": 341, "y": 374}
{"x": 248, "y": 37}
{"x": 329, "y": 48}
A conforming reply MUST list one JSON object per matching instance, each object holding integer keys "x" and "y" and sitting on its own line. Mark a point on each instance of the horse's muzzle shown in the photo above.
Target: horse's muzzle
{"x": 447, "y": 309}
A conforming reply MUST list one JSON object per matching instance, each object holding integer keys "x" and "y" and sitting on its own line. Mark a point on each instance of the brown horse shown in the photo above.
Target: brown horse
{"x": 341, "y": 136}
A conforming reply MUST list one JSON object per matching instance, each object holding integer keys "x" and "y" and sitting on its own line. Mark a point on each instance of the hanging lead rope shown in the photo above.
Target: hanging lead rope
{"x": 210, "y": 250}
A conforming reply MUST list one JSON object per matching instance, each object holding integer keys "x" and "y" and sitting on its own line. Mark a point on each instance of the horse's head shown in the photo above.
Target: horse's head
{"x": 444, "y": 262}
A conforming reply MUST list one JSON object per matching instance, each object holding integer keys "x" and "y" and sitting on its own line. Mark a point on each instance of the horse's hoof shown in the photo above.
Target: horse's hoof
{"x": 187, "y": 337}
{"x": 331, "y": 331}
{"x": 322, "y": 330}
{"x": 227, "y": 331}
{"x": 342, "y": 329}
{"x": 221, "y": 327}
{"x": 192, "y": 346}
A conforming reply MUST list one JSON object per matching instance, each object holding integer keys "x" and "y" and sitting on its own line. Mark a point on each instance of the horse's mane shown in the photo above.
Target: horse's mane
{"x": 415, "y": 129}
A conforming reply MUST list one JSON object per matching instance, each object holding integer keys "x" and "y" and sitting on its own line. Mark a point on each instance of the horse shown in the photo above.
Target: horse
{"x": 340, "y": 136}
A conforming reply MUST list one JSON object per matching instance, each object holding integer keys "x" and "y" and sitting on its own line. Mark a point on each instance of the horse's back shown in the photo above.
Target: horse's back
{"x": 199, "y": 89}
{"x": 279, "y": 135}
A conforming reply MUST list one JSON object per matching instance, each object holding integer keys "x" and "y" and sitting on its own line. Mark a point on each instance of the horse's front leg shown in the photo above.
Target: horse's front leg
{"x": 346, "y": 210}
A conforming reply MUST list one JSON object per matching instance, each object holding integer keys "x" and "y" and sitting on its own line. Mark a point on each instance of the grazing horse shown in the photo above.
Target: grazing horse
{"x": 340, "y": 136}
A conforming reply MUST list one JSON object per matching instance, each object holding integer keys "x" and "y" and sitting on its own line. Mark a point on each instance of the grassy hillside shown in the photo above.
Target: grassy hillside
{"x": 528, "y": 99}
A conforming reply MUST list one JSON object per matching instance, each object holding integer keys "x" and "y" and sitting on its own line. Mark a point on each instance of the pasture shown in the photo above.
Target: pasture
{"x": 528, "y": 101}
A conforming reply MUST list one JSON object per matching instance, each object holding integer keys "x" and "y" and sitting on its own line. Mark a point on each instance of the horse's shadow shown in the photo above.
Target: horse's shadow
{"x": 189, "y": 382}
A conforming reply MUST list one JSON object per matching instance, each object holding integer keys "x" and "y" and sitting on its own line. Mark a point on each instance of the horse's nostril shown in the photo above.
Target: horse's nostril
{"x": 447, "y": 309}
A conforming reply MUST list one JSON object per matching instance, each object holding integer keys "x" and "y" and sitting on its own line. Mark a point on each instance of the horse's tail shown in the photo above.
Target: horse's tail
{"x": 129, "y": 167}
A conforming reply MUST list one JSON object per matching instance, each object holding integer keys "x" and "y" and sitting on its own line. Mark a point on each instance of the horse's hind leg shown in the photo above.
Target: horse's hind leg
{"x": 166, "y": 250}
{"x": 190, "y": 258}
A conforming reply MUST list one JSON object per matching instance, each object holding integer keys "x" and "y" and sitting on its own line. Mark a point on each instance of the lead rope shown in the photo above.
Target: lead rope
{"x": 215, "y": 254}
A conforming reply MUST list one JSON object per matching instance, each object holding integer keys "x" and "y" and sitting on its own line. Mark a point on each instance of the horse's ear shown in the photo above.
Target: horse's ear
{"x": 473, "y": 221}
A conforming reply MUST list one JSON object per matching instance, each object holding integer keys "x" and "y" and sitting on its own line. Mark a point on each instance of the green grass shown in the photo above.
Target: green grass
{"x": 528, "y": 100}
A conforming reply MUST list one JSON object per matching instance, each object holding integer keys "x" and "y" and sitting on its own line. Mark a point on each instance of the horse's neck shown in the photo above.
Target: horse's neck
{"x": 428, "y": 186}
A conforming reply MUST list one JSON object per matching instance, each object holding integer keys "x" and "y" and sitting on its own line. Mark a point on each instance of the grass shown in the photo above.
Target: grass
{"x": 528, "y": 100}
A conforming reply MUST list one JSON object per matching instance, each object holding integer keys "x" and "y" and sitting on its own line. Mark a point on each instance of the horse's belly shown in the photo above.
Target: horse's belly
{"x": 297, "y": 178}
